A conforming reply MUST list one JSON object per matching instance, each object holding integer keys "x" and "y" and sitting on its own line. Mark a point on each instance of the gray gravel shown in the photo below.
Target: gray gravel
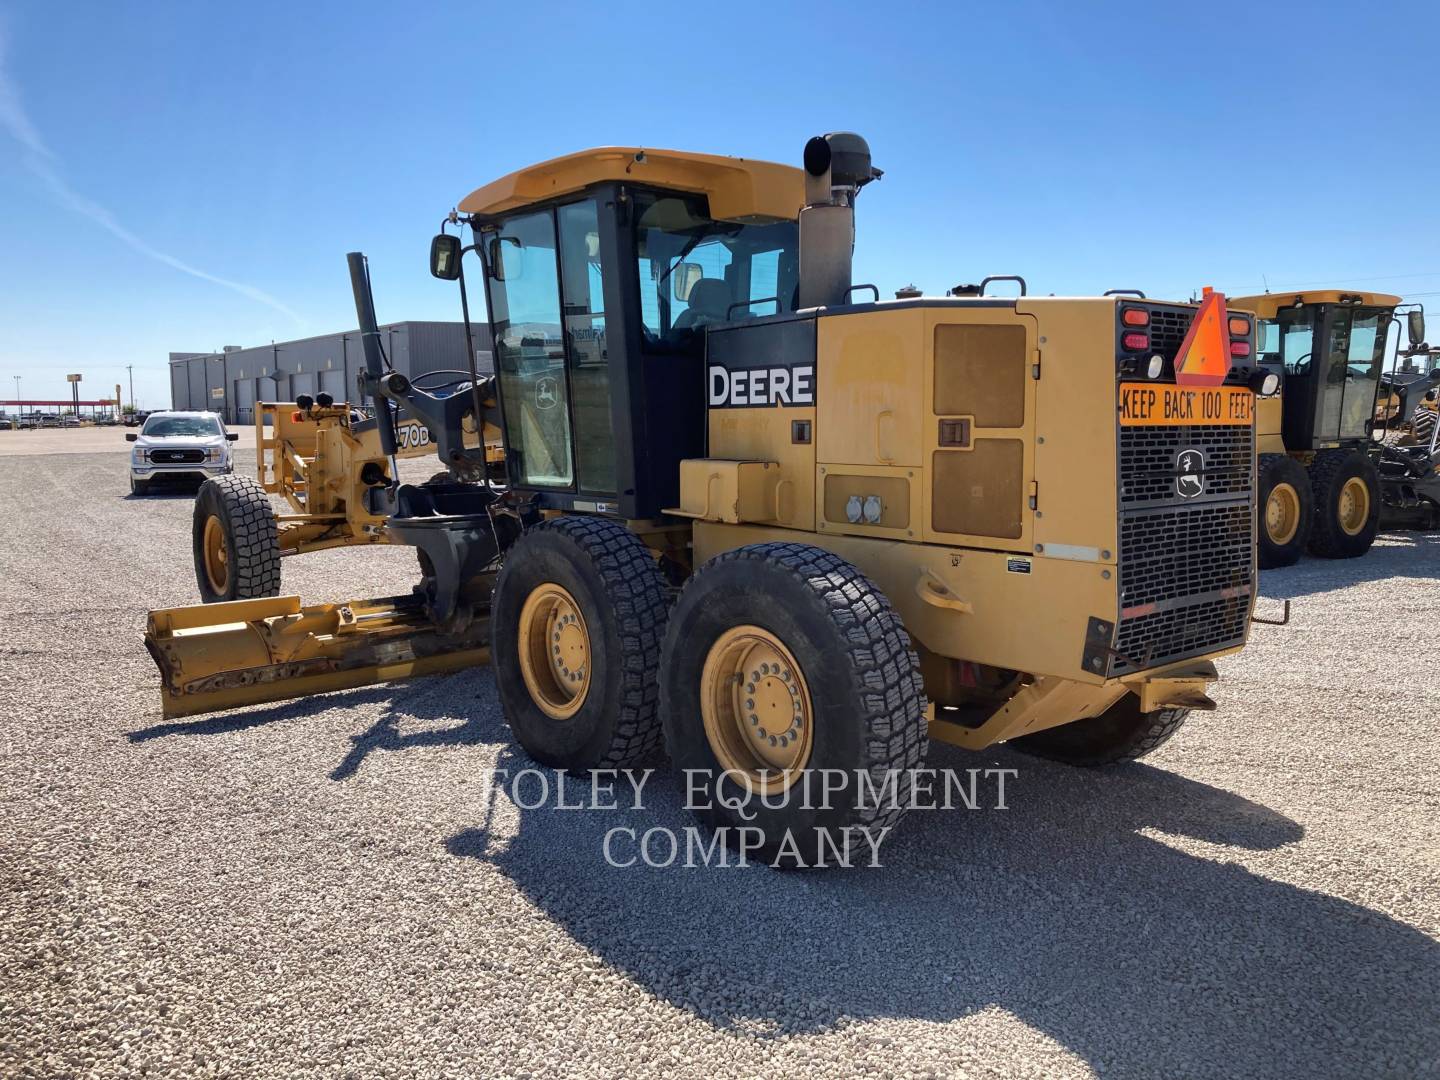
{"x": 326, "y": 888}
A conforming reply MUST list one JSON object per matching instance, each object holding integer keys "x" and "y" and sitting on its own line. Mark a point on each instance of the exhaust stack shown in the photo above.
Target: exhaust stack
{"x": 837, "y": 166}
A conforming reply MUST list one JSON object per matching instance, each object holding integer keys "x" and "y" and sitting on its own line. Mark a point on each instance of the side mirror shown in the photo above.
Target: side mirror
{"x": 232, "y": 436}
{"x": 130, "y": 436}
{"x": 498, "y": 270}
{"x": 683, "y": 278}
{"x": 1415, "y": 325}
{"x": 445, "y": 257}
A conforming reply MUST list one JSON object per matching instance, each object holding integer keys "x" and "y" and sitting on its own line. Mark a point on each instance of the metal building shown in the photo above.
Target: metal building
{"x": 231, "y": 381}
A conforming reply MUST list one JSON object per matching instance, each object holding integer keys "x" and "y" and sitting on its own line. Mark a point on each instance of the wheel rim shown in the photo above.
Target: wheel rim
{"x": 554, "y": 651}
{"x": 217, "y": 559}
{"x": 1354, "y": 508}
{"x": 1282, "y": 514}
{"x": 756, "y": 706}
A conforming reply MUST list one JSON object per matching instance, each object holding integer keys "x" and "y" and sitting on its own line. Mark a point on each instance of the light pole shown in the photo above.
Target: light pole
{"x": 130, "y": 370}
{"x": 18, "y": 409}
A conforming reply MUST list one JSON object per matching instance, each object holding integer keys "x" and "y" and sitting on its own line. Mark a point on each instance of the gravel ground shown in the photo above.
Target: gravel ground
{"x": 334, "y": 888}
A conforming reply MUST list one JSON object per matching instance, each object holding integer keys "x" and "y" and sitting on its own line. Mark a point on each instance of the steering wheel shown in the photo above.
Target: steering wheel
{"x": 1301, "y": 366}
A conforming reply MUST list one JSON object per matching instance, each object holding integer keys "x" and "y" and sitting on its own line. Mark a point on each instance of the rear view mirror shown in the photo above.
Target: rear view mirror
{"x": 683, "y": 278}
{"x": 1415, "y": 325}
{"x": 499, "y": 269}
{"x": 130, "y": 436}
{"x": 445, "y": 257}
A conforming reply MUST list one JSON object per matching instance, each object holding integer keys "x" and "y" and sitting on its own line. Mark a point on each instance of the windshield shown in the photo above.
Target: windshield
{"x": 695, "y": 272}
{"x": 1289, "y": 340}
{"x": 181, "y": 425}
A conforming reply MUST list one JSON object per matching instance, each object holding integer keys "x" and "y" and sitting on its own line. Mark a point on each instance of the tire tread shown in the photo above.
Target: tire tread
{"x": 634, "y": 586}
{"x": 887, "y": 670}
{"x": 255, "y": 560}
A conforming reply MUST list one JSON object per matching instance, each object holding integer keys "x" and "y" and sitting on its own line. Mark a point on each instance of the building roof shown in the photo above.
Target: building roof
{"x": 738, "y": 188}
{"x": 1267, "y": 304}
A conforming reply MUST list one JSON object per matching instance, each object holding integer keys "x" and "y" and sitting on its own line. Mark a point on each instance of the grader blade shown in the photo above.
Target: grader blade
{"x": 248, "y": 652}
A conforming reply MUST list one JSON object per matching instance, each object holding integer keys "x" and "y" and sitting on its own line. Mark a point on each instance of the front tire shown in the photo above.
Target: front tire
{"x": 235, "y": 541}
{"x": 139, "y": 487}
{"x": 1121, "y": 733}
{"x": 1287, "y": 509}
{"x": 578, "y": 615}
{"x": 783, "y": 661}
{"x": 1346, "y": 489}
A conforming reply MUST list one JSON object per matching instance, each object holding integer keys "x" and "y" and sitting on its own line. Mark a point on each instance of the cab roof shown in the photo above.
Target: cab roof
{"x": 737, "y": 188}
{"x": 1267, "y": 304}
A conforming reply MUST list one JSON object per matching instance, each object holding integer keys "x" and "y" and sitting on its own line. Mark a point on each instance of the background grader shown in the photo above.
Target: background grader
{"x": 775, "y": 528}
{"x": 1320, "y": 486}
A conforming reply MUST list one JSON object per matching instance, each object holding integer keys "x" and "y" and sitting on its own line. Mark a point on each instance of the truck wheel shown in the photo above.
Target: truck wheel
{"x": 1346, "y": 488}
{"x": 782, "y": 661}
{"x": 139, "y": 487}
{"x": 1287, "y": 508}
{"x": 578, "y": 613}
{"x": 236, "y": 545}
{"x": 1121, "y": 733}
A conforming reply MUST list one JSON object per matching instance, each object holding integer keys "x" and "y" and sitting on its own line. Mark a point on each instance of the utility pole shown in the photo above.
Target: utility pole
{"x": 18, "y": 409}
{"x": 130, "y": 370}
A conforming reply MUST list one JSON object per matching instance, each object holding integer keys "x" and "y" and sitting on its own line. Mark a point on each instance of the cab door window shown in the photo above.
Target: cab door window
{"x": 583, "y": 289}
{"x": 524, "y": 292}
{"x": 1364, "y": 357}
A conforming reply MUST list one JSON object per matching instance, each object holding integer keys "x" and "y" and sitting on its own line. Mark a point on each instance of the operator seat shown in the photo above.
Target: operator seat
{"x": 709, "y": 303}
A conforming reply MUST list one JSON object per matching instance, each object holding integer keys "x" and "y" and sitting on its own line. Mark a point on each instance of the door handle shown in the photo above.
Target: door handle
{"x": 880, "y": 455}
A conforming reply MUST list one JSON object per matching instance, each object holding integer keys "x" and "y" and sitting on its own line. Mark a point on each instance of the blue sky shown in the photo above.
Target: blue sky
{"x": 184, "y": 176}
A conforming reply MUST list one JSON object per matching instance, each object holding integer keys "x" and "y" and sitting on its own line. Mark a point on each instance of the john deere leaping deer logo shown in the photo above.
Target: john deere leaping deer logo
{"x": 1189, "y": 473}
{"x": 547, "y": 393}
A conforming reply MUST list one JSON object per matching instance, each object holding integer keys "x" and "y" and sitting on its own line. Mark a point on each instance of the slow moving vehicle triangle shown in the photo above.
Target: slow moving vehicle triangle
{"x": 1204, "y": 356}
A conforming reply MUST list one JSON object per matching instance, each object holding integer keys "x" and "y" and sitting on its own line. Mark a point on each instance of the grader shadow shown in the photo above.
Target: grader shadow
{"x": 1067, "y": 910}
{"x": 419, "y": 703}
{"x": 1396, "y": 555}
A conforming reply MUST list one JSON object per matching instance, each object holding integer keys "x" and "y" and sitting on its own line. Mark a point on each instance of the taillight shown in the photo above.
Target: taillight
{"x": 1135, "y": 341}
{"x": 1239, "y": 348}
{"x": 1135, "y": 316}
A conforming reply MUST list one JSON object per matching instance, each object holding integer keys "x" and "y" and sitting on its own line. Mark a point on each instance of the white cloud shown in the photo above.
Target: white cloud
{"x": 43, "y": 164}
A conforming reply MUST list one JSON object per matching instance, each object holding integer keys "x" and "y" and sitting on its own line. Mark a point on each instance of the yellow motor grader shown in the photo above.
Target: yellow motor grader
{"x": 782, "y": 527}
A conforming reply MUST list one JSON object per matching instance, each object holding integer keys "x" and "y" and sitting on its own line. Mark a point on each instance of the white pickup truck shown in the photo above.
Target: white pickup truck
{"x": 191, "y": 446}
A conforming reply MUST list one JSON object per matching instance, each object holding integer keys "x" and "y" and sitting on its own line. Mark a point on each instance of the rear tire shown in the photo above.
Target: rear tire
{"x": 1287, "y": 509}
{"x": 235, "y": 541}
{"x": 586, "y": 592}
{"x": 832, "y": 642}
{"x": 1121, "y": 733}
{"x": 1346, "y": 489}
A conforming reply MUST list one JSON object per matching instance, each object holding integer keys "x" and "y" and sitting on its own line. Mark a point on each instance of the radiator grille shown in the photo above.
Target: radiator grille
{"x": 1186, "y": 564}
{"x": 1148, "y": 461}
{"x": 177, "y": 457}
{"x": 1167, "y": 329}
{"x": 1173, "y": 635}
{"x": 1186, "y": 551}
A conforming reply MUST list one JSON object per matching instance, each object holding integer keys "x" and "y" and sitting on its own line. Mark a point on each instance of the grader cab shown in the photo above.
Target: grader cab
{"x": 778, "y": 525}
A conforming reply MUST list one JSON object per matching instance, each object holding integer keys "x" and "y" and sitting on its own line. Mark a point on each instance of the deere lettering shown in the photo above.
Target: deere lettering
{"x": 1146, "y": 403}
{"x": 761, "y": 386}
